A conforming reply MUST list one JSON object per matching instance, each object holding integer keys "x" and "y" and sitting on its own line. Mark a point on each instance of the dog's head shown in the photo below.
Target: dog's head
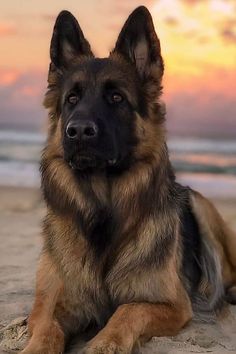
{"x": 105, "y": 112}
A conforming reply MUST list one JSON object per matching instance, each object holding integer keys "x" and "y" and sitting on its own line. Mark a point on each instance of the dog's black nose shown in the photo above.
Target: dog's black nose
{"x": 84, "y": 130}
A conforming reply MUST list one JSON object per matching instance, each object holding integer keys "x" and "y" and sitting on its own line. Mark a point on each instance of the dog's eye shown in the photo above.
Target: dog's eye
{"x": 72, "y": 99}
{"x": 116, "y": 97}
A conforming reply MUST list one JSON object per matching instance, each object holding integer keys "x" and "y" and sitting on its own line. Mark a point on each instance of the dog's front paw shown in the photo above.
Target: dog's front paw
{"x": 38, "y": 351}
{"x": 34, "y": 351}
{"x": 105, "y": 347}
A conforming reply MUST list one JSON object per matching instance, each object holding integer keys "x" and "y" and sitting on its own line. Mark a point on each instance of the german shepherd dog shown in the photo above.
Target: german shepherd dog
{"x": 126, "y": 248}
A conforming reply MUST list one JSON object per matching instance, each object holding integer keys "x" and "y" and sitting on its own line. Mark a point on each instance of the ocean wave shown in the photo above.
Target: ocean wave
{"x": 20, "y": 137}
{"x": 210, "y": 185}
{"x": 181, "y": 166}
{"x": 199, "y": 145}
{"x": 19, "y": 174}
{"x": 20, "y": 154}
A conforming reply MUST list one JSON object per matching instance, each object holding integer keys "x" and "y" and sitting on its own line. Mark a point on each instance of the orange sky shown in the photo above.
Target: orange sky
{"x": 198, "y": 39}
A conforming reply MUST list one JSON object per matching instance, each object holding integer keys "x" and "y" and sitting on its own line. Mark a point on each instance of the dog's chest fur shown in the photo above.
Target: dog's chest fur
{"x": 95, "y": 285}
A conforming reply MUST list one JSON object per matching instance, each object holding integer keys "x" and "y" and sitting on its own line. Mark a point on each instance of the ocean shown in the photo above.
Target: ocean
{"x": 204, "y": 164}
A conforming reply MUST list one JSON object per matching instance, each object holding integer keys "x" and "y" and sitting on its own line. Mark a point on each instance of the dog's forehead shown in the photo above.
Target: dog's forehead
{"x": 96, "y": 70}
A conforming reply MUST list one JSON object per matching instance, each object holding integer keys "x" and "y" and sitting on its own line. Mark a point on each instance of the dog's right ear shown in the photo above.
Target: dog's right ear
{"x": 68, "y": 41}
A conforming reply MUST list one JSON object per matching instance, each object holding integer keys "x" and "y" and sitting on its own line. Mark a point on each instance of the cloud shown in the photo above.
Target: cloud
{"x": 193, "y": 2}
{"x": 202, "y": 106}
{"x": 21, "y": 95}
{"x": 203, "y": 39}
{"x": 227, "y": 29}
{"x": 48, "y": 17}
{"x": 188, "y": 114}
{"x": 8, "y": 77}
{"x": 171, "y": 21}
{"x": 229, "y": 35}
{"x": 124, "y": 7}
{"x": 7, "y": 29}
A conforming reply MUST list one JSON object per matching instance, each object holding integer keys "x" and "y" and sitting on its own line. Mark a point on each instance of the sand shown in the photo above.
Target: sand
{"x": 21, "y": 211}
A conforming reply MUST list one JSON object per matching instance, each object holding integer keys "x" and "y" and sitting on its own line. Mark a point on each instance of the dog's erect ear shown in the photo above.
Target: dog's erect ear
{"x": 139, "y": 43}
{"x": 68, "y": 41}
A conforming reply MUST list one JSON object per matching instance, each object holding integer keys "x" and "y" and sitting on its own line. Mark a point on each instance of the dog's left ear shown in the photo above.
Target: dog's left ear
{"x": 139, "y": 43}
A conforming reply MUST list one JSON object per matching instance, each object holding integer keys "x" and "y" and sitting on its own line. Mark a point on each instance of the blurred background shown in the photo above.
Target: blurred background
{"x": 198, "y": 39}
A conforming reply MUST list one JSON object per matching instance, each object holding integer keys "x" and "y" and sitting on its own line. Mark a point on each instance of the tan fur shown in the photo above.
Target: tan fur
{"x": 139, "y": 322}
{"x": 46, "y": 334}
{"x": 219, "y": 234}
{"x": 152, "y": 137}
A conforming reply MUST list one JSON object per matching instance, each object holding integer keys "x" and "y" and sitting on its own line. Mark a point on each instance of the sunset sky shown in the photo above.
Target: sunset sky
{"x": 198, "y": 39}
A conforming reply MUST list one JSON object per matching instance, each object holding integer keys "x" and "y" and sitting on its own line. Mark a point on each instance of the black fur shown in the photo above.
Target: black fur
{"x": 67, "y": 41}
{"x": 191, "y": 240}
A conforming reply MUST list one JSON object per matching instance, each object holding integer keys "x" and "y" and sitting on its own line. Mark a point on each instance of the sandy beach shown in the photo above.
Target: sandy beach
{"x": 21, "y": 211}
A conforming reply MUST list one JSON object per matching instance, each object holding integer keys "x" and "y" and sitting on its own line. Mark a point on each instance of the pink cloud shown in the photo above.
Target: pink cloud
{"x": 192, "y": 2}
{"x": 21, "y": 95}
{"x": 171, "y": 21}
{"x": 214, "y": 80}
{"x": 8, "y": 77}
{"x": 229, "y": 35}
{"x": 124, "y": 8}
{"x": 202, "y": 106}
{"x": 48, "y": 17}
{"x": 7, "y": 29}
{"x": 30, "y": 91}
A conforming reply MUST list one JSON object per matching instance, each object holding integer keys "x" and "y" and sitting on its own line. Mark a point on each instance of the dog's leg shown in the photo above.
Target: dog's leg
{"x": 47, "y": 336}
{"x": 139, "y": 322}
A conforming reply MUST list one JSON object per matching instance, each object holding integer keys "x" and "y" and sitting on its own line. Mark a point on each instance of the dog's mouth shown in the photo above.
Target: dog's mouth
{"x": 85, "y": 162}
